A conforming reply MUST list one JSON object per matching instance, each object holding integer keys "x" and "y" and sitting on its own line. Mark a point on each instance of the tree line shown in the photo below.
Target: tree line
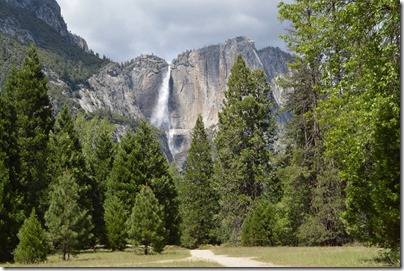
{"x": 334, "y": 179}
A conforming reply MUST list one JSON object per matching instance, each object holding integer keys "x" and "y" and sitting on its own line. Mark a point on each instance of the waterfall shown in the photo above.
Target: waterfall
{"x": 161, "y": 114}
{"x": 161, "y": 117}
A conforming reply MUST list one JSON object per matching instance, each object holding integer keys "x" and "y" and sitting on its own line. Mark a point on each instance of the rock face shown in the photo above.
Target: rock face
{"x": 129, "y": 91}
{"x": 46, "y": 10}
{"x": 199, "y": 79}
{"x": 196, "y": 85}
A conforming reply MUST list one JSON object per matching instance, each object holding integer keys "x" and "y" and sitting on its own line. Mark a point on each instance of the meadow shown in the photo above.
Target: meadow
{"x": 348, "y": 256}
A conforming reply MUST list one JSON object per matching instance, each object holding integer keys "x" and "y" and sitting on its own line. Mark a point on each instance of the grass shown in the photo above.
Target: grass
{"x": 171, "y": 257}
{"x": 348, "y": 256}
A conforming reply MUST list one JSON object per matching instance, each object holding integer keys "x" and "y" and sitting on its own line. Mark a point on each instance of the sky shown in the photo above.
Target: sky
{"x": 124, "y": 29}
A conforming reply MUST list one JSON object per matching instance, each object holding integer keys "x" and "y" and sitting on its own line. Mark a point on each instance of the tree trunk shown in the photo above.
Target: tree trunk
{"x": 145, "y": 250}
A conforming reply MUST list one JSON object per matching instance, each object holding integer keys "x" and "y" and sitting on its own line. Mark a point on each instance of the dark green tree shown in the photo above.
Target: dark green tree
{"x": 11, "y": 217}
{"x": 33, "y": 246}
{"x": 115, "y": 222}
{"x": 146, "y": 224}
{"x": 26, "y": 95}
{"x": 258, "y": 228}
{"x": 65, "y": 153}
{"x": 25, "y": 121}
{"x": 198, "y": 200}
{"x": 120, "y": 182}
{"x": 243, "y": 142}
{"x": 139, "y": 161}
{"x": 96, "y": 139}
{"x": 68, "y": 222}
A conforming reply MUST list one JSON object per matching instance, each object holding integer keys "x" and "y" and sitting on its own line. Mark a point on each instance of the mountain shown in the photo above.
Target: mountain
{"x": 196, "y": 81}
{"x": 168, "y": 95}
{"x": 66, "y": 58}
{"x": 46, "y": 10}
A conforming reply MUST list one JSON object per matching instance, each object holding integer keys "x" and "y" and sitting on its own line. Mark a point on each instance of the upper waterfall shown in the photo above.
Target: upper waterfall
{"x": 161, "y": 115}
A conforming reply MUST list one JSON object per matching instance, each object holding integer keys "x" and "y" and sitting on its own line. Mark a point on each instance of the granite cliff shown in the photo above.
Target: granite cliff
{"x": 168, "y": 95}
{"x": 47, "y": 11}
{"x": 196, "y": 82}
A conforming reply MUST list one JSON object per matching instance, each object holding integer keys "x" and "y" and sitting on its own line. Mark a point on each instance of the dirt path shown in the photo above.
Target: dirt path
{"x": 227, "y": 261}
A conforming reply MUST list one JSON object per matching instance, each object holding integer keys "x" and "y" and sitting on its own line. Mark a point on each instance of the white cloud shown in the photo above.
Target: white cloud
{"x": 124, "y": 29}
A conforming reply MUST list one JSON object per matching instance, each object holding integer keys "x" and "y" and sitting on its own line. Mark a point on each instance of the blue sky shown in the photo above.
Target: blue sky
{"x": 124, "y": 29}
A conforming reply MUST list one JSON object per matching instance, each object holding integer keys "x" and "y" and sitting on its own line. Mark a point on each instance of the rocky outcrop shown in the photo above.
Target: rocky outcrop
{"x": 197, "y": 83}
{"x": 47, "y": 11}
{"x": 129, "y": 91}
{"x": 199, "y": 79}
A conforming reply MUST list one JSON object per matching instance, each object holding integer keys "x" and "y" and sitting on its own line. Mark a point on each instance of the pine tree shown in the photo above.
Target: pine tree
{"x": 246, "y": 131}
{"x": 33, "y": 246}
{"x": 198, "y": 200}
{"x": 29, "y": 110}
{"x": 10, "y": 192}
{"x": 258, "y": 228}
{"x": 98, "y": 150}
{"x": 139, "y": 161}
{"x": 146, "y": 225}
{"x": 355, "y": 48}
{"x": 65, "y": 153}
{"x": 307, "y": 167}
{"x": 115, "y": 223}
{"x": 120, "y": 182}
{"x": 68, "y": 222}
{"x": 25, "y": 121}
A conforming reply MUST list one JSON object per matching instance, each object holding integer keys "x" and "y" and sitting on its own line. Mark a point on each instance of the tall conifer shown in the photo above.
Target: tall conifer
{"x": 246, "y": 131}
{"x": 198, "y": 200}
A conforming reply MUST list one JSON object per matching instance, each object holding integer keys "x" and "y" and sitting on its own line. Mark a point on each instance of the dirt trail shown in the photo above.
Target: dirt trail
{"x": 205, "y": 254}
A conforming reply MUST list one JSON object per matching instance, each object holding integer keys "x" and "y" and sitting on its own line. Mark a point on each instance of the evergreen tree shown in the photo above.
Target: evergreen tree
{"x": 139, "y": 161}
{"x": 98, "y": 150}
{"x": 120, "y": 182}
{"x": 25, "y": 121}
{"x": 68, "y": 222}
{"x": 146, "y": 225}
{"x": 11, "y": 217}
{"x": 115, "y": 223}
{"x": 358, "y": 47}
{"x": 198, "y": 200}
{"x": 246, "y": 131}
{"x": 258, "y": 227}
{"x": 26, "y": 95}
{"x": 306, "y": 168}
{"x": 33, "y": 246}
{"x": 65, "y": 153}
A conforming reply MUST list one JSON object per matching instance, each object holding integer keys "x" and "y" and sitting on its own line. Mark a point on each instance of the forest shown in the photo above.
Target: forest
{"x": 333, "y": 178}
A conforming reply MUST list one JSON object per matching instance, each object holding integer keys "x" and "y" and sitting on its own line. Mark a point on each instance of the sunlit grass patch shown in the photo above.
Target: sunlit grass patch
{"x": 353, "y": 256}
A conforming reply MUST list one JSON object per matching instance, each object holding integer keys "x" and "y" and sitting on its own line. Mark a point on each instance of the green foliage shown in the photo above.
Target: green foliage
{"x": 139, "y": 161}
{"x": 115, "y": 219}
{"x": 258, "y": 226}
{"x": 146, "y": 224}
{"x": 246, "y": 131}
{"x": 33, "y": 246}
{"x": 25, "y": 121}
{"x": 26, "y": 93}
{"x": 198, "y": 200}
{"x": 68, "y": 222}
{"x": 65, "y": 153}
{"x": 55, "y": 51}
{"x": 96, "y": 139}
{"x": 351, "y": 51}
{"x": 10, "y": 196}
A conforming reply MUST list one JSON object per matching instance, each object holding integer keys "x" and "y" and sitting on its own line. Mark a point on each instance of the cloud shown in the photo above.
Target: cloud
{"x": 124, "y": 29}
